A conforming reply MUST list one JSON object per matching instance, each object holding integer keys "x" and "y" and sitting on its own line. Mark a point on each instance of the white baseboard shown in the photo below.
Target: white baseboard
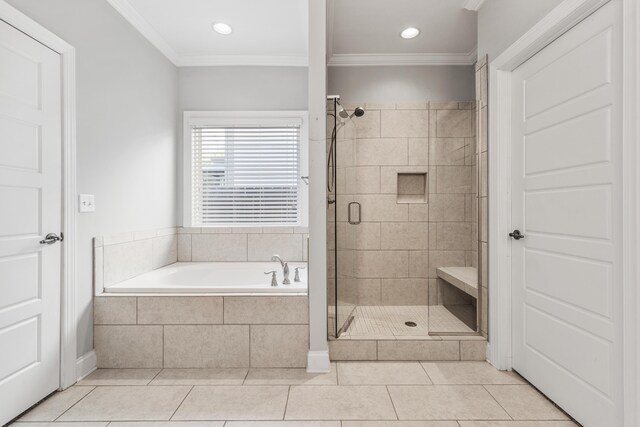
{"x": 86, "y": 364}
{"x": 318, "y": 362}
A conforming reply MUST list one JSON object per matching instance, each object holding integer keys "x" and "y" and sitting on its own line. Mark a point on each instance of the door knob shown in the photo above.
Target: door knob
{"x": 51, "y": 238}
{"x": 516, "y": 235}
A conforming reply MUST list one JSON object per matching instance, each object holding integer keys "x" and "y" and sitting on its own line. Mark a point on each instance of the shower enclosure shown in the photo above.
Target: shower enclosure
{"x": 402, "y": 220}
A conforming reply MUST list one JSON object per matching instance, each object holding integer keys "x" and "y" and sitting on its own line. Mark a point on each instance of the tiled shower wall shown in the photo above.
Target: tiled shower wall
{"x": 393, "y": 254}
{"x": 482, "y": 83}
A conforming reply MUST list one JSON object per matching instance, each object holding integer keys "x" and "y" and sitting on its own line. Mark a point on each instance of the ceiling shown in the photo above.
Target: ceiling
{"x": 265, "y": 32}
{"x": 275, "y": 32}
{"x": 367, "y": 32}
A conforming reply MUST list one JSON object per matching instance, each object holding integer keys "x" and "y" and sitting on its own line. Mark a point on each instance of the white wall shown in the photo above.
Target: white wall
{"x": 242, "y": 88}
{"x": 126, "y": 130}
{"x": 402, "y": 84}
{"x": 502, "y": 22}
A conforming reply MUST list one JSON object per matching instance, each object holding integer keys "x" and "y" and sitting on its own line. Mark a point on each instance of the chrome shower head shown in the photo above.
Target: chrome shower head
{"x": 344, "y": 114}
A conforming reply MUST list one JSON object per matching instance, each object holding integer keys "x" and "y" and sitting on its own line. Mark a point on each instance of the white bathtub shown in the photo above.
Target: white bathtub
{"x": 241, "y": 278}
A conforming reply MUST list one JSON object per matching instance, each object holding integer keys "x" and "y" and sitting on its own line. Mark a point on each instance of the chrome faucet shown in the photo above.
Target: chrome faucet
{"x": 296, "y": 277}
{"x": 285, "y": 269}
{"x": 274, "y": 281}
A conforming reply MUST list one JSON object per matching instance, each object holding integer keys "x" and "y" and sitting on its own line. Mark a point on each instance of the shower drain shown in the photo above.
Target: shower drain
{"x": 411, "y": 324}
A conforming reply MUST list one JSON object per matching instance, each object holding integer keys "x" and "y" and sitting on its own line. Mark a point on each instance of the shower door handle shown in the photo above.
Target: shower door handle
{"x": 350, "y": 211}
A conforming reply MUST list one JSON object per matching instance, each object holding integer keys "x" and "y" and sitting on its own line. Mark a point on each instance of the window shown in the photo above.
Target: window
{"x": 244, "y": 169}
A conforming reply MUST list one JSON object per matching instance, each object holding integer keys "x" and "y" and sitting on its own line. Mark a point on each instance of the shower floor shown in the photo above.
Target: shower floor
{"x": 388, "y": 322}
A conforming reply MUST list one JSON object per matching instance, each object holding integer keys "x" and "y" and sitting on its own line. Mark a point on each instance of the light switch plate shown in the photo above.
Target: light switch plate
{"x": 86, "y": 203}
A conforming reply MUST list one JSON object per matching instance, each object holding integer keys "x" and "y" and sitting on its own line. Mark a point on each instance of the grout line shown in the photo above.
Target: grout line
{"x": 391, "y": 399}
{"x": 181, "y": 402}
{"x": 286, "y": 404}
{"x": 496, "y": 400}
{"x": 69, "y": 408}
{"x": 159, "y": 371}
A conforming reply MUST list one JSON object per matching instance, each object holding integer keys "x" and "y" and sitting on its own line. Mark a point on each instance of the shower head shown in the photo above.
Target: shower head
{"x": 344, "y": 114}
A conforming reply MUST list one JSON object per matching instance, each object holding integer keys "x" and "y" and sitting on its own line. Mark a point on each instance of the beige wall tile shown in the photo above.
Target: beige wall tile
{"x": 453, "y": 235}
{"x": 352, "y": 350}
{"x": 369, "y": 292}
{"x": 132, "y": 346}
{"x": 367, "y": 235}
{"x": 98, "y": 269}
{"x": 418, "y": 151}
{"x": 375, "y": 264}
{"x": 115, "y": 239}
{"x": 405, "y": 291}
{"x": 266, "y": 310}
{"x": 382, "y": 208}
{"x": 263, "y": 246}
{"x": 473, "y": 350}
{"x": 453, "y": 179}
{"x": 180, "y": 310}
{"x": 381, "y": 151}
{"x": 279, "y": 346}
{"x": 447, "y": 151}
{"x": 126, "y": 260}
{"x": 389, "y": 176}
{"x": 219, "y": 247}
{"x": 380, "y": 106}
{"x": 419, "y": 212}
{"x": 362, "y": 180}
{"x": 409, "y": 123}
{"x": 444, "y": 259}
{"x": 409, "y": 106}
{"x": 109, "y": 310}
{"x": 408, "y": 235}
{"x": 454, "y": 123}
{"x": 184, "y": 247}
{"x": 165, "y": 250}
{"x": 446, "y": 207}
{"x": 419, "y": 264}
{"x": 418, "y": 350}
{"x": 206, "y": 346}
{"x": 368, "y": 126}
{"x": 443, "y": 105}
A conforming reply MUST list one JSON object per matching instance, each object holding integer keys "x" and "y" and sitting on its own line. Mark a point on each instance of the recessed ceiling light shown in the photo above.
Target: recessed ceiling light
{"x": 222, "y": 28}
{"x": 410, "y": 33}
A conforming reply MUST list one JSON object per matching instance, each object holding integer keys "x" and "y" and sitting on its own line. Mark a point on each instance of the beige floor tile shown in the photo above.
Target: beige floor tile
{"x": 120, "y": 377}
{"x": 56, "y": 404}
{"x": 127, "y": 403}
{"x": 234, "y": 403}
{"x": 445, "y": 402}
{"x": 168, "y": 424}
{"x": 290, "y": 376}
{"x": 468, "y": 373}
{"x": 339, "y": 403}
{"x": 518, "y": 424}
{"x": 283, "y": 424}
{"x": 523, "y": 402}
{"x": 54, "y": 424}
{"x": 400, "y": 424}
{"x": 214, "y": 376}
{"x": 381, "y": 373}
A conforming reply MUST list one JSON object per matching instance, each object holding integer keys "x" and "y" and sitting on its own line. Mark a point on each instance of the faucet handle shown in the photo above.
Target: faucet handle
{"x": 274, "y": 281}
{"x": 296, "y": 277}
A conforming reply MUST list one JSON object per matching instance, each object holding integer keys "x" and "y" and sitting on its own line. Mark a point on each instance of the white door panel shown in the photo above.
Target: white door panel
{"x": 566, "y": 201}
{"x": 30, "y": 191}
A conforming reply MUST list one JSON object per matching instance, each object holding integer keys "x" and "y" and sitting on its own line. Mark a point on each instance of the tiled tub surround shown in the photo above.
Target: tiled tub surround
{"x": 482, "y": 83}
{"x": 201, "y": 331}
{"x": 393, "y": 254}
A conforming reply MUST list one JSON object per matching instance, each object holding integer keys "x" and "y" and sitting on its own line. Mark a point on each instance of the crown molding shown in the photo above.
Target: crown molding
{"x": 242, "y": 60}
{"x": 403, "y": 59}
{"x": 473, "y": 5}
{"x": 129, "y": 13}
{"x": 139, "y": 23}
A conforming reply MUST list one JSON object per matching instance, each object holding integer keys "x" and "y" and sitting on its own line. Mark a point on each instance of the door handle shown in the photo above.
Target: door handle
{"x": 52, "y": 238}
{"x": 516, "y": 235}
{"x": 349, "y": 218}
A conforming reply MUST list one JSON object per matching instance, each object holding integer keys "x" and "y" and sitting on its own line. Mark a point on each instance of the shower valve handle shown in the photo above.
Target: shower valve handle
{"x": 274, "y": 281}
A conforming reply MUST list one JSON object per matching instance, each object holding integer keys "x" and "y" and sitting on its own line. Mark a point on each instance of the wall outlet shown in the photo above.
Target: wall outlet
{"x": 86, "y": 203}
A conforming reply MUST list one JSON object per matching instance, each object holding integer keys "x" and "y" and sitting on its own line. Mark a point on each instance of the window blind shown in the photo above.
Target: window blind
{"x": 246, "y": 175}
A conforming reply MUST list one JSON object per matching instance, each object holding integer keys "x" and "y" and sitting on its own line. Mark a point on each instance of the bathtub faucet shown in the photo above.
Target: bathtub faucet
{"x": 285, "y": 269}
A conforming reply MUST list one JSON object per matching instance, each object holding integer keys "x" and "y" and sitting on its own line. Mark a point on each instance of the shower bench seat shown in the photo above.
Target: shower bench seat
{"x": 463, "y": 278}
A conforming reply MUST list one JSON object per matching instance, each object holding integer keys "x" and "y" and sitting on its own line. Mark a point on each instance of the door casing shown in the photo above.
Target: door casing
{"x": 566, "y": 15}
{"x": 68, "y": 319}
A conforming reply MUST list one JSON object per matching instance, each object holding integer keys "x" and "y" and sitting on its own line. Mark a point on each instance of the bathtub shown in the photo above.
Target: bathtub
{"x": 241, "y": 278}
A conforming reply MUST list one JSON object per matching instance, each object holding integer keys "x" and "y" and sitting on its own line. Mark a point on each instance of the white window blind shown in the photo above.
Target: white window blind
{"x": 246, "y": 174}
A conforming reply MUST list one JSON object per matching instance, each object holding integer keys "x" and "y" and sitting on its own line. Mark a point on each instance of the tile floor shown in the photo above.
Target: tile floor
{"x": 388, "y": 322}
{"x": 353, "y": 394}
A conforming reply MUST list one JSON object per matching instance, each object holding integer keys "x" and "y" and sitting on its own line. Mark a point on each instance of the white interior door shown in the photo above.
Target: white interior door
{"x": 566, "y": 200}
{"x": 30, "y": 208}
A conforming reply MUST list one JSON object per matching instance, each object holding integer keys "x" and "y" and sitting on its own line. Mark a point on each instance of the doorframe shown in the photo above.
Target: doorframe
{"x": 68, "y": 328}
{"x": 565, "y": 16}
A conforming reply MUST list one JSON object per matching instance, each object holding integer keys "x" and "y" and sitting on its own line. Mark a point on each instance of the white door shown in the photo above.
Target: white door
{"x": 30, "y": 208}
{"x": 566, "y": 194}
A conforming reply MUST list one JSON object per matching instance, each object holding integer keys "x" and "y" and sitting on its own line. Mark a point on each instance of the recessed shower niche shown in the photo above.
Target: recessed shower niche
{"x": 412, "y": 188}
